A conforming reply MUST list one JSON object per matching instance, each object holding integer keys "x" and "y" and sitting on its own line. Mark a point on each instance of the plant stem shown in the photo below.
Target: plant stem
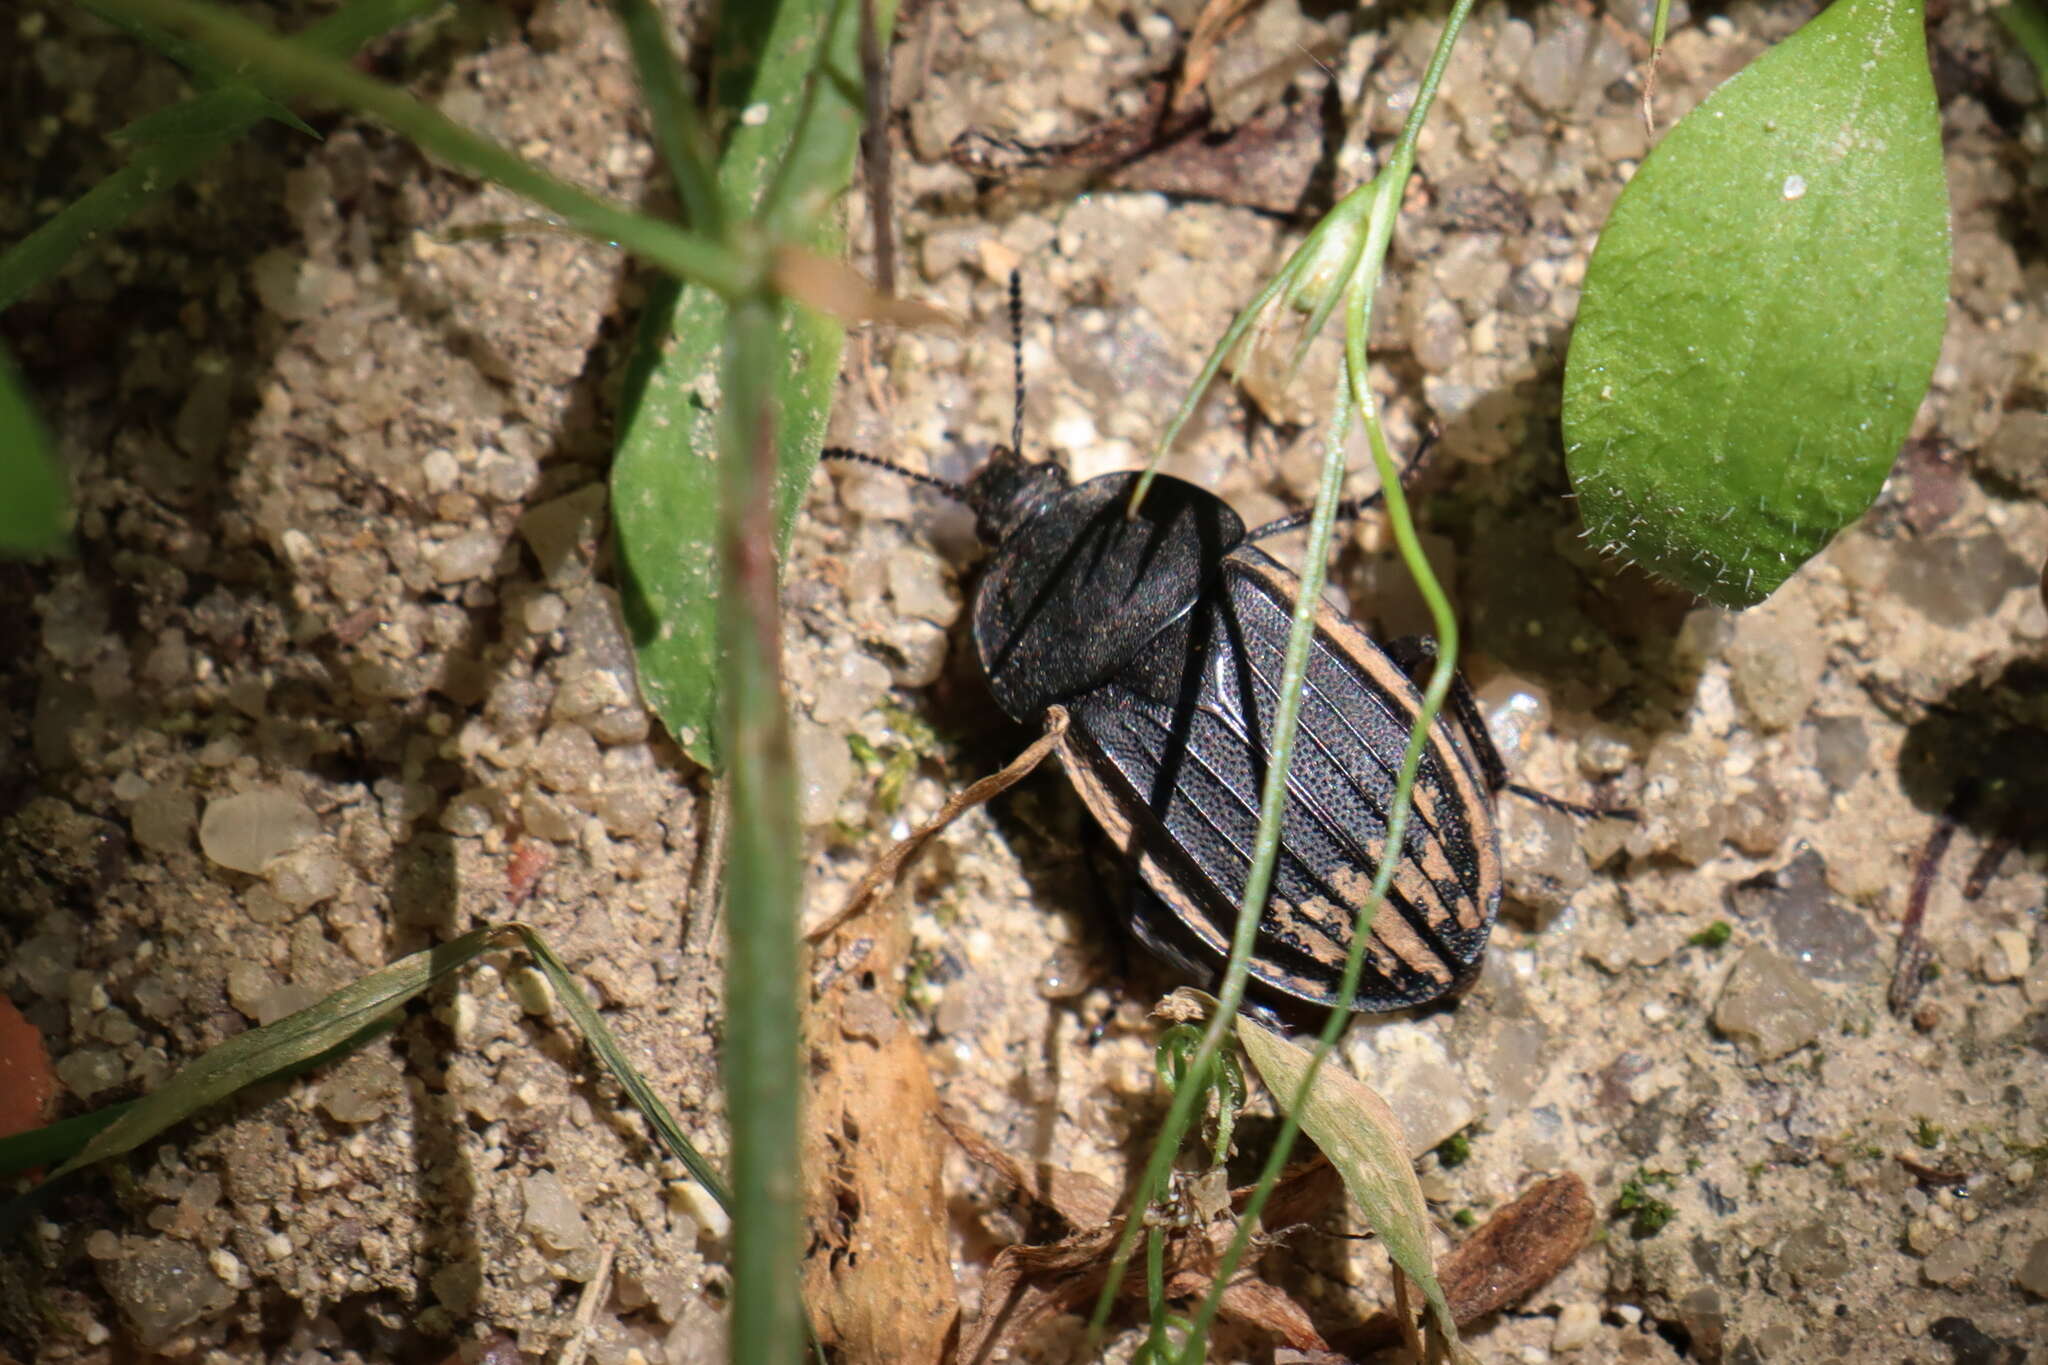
{"x": 764, "y": 865}
{"x": 289, "y": 67}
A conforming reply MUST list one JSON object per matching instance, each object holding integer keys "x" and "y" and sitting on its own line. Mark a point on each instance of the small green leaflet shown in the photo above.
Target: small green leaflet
{"x": 1763, "y": 313}
{"x": 33, "y": 506}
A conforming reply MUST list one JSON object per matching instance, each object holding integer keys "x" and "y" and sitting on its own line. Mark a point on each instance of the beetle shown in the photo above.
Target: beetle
{"x": 1162, "y": 634}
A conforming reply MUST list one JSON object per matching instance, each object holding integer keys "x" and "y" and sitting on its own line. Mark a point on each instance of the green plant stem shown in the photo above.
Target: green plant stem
{"x": 672, "y": 115}
{"x": 1385, "y": 192}
{"x": 764, "y": 865}
{"x": 288, "y": 67}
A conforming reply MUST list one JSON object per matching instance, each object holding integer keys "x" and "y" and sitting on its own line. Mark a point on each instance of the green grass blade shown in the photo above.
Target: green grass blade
{"x": 338, "y": 1024}
{"x": 160, "y": 164}
{"x": 2024, "y": 20}
{"x": 34, "y": 510}
{"x": 1764, "y": 310}
{"x": 591, "y": 1024}
{"x": 54, "y": 1143}
{"x": 1356, "y": 1130}
{"x": 295, "y": 68}
{"x": 784, "y": 69}
{"x": 672, "y": 113}
{"x": 260, "y": 1054}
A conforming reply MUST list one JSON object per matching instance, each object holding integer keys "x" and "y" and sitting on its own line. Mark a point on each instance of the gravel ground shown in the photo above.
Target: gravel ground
{"x": 339, "y": 674}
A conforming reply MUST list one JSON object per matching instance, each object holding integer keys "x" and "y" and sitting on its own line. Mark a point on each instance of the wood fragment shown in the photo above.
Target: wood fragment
{"x": 1909, "y": 969}
{"x": 1512, "y": 1255}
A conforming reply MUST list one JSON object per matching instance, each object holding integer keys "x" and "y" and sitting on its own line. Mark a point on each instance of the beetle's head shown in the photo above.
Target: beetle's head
{"x": 1010, "y": 490}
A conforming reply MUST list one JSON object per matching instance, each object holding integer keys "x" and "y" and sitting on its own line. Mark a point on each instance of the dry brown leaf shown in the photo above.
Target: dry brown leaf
{"x": 836, "y": 289}
{"x": 878, "y": 1273}
{"x": 1205, "y": 40}
{"x": 1028, "y": 1285}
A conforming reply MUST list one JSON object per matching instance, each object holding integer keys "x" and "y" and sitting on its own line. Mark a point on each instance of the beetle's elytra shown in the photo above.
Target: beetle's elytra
{"x": 1163, "y": 637}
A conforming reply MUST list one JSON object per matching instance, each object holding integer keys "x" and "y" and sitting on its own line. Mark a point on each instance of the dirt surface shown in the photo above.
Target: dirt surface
{"x": 339, "y": 674}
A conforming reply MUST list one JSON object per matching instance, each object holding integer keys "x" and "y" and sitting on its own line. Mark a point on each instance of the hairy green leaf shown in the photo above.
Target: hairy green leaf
{"x": 1763, "y": 313}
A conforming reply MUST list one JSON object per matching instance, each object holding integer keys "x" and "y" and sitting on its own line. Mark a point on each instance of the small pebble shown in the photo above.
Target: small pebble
{"x": 161, "y": 821}
{"x": 1841, "y": 750}
{"x": 824, "y": 770}
{"x": 1769, "y": 1006}
{"x": 246, "y": 830}
{"x": 696, "y": 1201}
{"x": 552, "y": 1215}
{"x": 2005, "y": 956}
{"x": 1576, "y": 1325}
{"x": 90, "y": 1070}
{"x": 469, "y": 555}
{"x": 1954, "y": 581}
{"x": 163, "y": 1287}
{"x": 1948, "y": 1263}
{"x": 566, "y": 759}
{"x": 534, "y": 992}
{"x": 2033, "y": 1276}
{"x": 563, "y": 533}
{"x": 1775, "y": 662}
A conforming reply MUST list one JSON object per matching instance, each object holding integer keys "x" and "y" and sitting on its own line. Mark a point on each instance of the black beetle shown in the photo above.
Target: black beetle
{"x": 1163, "y": 636}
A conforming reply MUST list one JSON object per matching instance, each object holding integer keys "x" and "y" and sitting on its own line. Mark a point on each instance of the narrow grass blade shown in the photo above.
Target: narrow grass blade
{"x": 1763, "y": 313}
{"x": 160, "y": 162}
{"x": 1359, "y": 1134}
{"x": 294, "y": 68}
{"x": 321, "y": 1032}
{"x": 591, "y": 1025}
{"x": 34, "y": 511}
{"x": 54, "y": 1143}
{"x": 247, "y": 1059}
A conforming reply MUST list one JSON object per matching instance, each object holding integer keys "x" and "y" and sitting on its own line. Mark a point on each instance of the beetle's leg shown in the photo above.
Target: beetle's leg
{"x": 1416, "y": 654}
{"x": 1349, "y": 507}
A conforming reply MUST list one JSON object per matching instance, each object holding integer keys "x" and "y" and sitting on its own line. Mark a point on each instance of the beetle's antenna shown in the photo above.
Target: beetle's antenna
{"x": 956, "y": 492}
{"x": 1017, "y": 359}
{"x": 1349, "y": 507}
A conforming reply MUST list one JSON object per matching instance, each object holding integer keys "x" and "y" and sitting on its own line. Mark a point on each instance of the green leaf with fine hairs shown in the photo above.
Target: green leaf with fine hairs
{"x": 33, "y": 511}
{"x": 1353, "y": 1127}
{"x": 1763, "y": 312}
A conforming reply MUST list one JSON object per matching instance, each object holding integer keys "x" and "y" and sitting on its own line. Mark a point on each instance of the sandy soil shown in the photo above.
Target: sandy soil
{"x": 339, "y": 668}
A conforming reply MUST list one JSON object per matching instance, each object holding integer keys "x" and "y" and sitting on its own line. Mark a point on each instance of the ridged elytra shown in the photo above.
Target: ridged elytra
{"x": 1163, "y": 635}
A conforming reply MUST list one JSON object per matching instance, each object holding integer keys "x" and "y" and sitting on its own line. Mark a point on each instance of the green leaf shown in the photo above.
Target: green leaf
{"x": 787, "y": 89}
{"x": 33, "y": 511}
{"x": 1763, "y": 312}
{"x": 1359, "y": 1134}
